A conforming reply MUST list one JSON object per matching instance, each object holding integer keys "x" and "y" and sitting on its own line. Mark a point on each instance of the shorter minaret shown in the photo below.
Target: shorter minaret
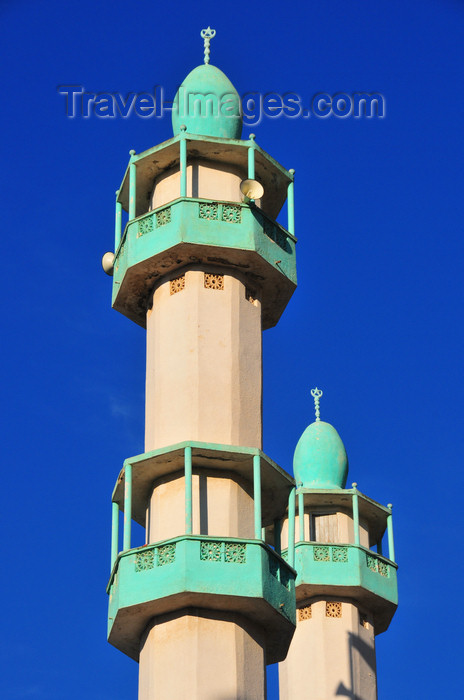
{"x": 346, "y": 592}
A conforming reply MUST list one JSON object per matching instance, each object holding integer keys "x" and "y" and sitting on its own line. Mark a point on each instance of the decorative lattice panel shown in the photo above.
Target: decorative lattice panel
{"x": 209, "y": 211}
{"x": 177, "y": 284}
{"x": 163, "y": 217}
{"x": 384, "y": 569}
{"x": 235, "y": 552}
{"x": 166, "y": 554}
{"x": 145, "y": 560}
{"x": 340, "y": 554}
{"x": 210, "y": 550}
{"x": 305, "y": 613}
{"x": 321, "y": 553}
{"x": 333, "y": 609}
{"x": 371, "y": 562}
{"x": 214, "y": 281}
{"x": 146, "y": 226}
{"x": 232, "y": 213}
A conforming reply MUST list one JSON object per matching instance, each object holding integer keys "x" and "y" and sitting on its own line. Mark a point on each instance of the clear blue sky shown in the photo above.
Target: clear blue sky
{"x": 376, "y": 320}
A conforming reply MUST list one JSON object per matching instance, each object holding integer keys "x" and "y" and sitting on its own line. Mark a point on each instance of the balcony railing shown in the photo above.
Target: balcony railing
{"x": 255, "y": 458}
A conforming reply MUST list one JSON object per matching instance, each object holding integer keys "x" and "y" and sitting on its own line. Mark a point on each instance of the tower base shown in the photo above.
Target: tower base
{"x": 202, "y": 655}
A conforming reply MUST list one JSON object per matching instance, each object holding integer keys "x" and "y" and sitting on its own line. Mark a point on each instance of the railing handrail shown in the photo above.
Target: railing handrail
{"x": 243, "y": 205}
{"x": 180, "y": 538}
{"x": 313, "y": 543}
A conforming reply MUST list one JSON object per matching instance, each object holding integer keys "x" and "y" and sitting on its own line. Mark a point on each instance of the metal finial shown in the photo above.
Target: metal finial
{"x": 316, "y": 394}
{"x": 207, "y": 34}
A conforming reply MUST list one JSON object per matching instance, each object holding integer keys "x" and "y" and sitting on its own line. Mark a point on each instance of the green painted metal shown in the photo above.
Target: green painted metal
{"x": 235, "y": 232}
{"x": 291, "y": 204}
{"x": 127, "y": 507}
{"x": 117, "y": 223}
{"x": 291, "y": 528}
{"x": 320, "y": 459}
{"x": 132, "y": 186}
{"x": 150, "y": 580}
{"x": 114, "y": 533}
{"x": 391, "y": 544}
{"x": 188, "y": 491}
{"x": 183, "y": 162}
{"x": 257, "y": 495}
{"x": 355, "y": 515}
{"x": 277, "y": 538}
{"x": 380, "y": 547}
{"x": 208, "y": 104}
{"x": 251, "y": 158}
{"x": 301, "y": 516}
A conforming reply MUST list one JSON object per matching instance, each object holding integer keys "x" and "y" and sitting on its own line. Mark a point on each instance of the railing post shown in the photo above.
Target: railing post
{"x": 127, "y": 507}
{"x": 301, "y": 516}
{"x": 188, "y": 490}
{"x": 391, "y": 545}
{"x": 291, "y": 528}
{"x": 257, "y": 495}
{"x": 114, "y": 533}
{"x": 379, "y": 547}
{"x": 117, "y": 223}
{"x": 355, "y": 514}
{"x": 183, "y": 161}
{"x": 132, "y": 186}
{"x": 277, "y": 543}
{"x": 291, "y": 204}
{"x": 251, "y": 158}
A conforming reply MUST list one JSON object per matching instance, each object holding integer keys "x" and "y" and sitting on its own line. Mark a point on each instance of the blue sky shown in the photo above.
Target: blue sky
{"x": 376, "y": 320}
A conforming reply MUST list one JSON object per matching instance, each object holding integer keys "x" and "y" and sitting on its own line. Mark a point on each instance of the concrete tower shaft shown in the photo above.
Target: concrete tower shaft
{"x": 204, "y": 360}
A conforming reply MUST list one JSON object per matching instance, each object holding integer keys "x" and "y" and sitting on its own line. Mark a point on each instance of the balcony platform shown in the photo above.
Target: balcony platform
{"x": 190, "y": 231}
{"x": 351, "y": 571}
{"x": 221, "y": 574}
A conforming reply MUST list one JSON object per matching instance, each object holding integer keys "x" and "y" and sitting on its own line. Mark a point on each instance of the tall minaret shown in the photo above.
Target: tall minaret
{"x": 203, "y": 265}
{"x": 346, "y": 593}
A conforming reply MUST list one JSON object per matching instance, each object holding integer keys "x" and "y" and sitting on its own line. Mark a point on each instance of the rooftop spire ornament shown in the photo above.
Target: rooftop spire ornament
{"x": 316, "y": 394}
{"x": 207, "y": 34}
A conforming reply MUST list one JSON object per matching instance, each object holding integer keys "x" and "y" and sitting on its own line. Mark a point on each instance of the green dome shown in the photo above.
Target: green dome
{"x": 208, "y": 104}
{"x": 320, "y": 460}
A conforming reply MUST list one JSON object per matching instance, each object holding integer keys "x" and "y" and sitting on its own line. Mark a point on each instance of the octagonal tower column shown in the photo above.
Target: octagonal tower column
{"x": 204, "y": 360}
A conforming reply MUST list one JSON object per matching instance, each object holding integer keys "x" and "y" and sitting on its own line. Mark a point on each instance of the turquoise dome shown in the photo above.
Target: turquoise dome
{"x": 320, "y": 460}
{"x": 208, "y": 104}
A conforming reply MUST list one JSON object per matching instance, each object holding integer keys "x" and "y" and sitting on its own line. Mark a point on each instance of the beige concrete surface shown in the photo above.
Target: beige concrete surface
{"x": 205, "y": 180}
{"x": 222, "y": 507}
{"x": 202, "y": 655}
{"x": 326, "y": 525}
{"x": 204, "y": 364}
{"x": 330, "y": 657}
